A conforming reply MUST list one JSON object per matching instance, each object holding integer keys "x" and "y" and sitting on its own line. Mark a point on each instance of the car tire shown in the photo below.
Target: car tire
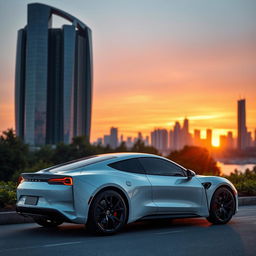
{"x": 222, "y": 206}
{"x": 107, "y": 213}
{"x": 46, "y": 222}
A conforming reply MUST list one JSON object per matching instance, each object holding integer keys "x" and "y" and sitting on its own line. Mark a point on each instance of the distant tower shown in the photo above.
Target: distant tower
{"x": 129, "y": 142}
{"x": 177, "y": 137}
{"x": 186, "y": 136}
{"x": 159, "y": 139}
{"x": 186, "y": 126}
{"x": 140, "y": 137}
{"x": 209, "y": 138}
{"x": 106, "y": 140}
{"x": 197, "y": 137}
{"x": 147, "y": 141}
{"x": 241, "y": 125}
{"x": 171, "y": 139}
{"x": 53, "y": 79}
{"x": 223, "y": 142}
{"x": 230, "y": 140}
{"x": 113, "y": 143}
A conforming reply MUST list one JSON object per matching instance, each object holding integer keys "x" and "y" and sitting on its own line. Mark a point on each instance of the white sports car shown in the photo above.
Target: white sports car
{"x": 107, "y": 191}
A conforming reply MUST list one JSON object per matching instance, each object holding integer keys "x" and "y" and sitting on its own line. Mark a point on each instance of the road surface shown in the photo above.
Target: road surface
{"x": 178, "y": 237}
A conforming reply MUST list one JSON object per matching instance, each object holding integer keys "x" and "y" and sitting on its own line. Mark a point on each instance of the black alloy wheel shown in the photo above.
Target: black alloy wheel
{"x": 222, "y": 206}
{"x": 46, "y": 222}
{"x": 108, "y": 213}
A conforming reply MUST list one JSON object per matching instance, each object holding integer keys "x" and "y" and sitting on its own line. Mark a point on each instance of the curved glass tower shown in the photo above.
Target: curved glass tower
{"x": 53, "y": 80}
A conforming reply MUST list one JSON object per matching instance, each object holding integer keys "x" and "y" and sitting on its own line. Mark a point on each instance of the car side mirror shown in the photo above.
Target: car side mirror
{"x": 190, "y": 174}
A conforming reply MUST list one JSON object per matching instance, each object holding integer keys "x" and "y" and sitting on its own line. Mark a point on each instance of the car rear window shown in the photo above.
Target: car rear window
{"x": 78, "y": 163}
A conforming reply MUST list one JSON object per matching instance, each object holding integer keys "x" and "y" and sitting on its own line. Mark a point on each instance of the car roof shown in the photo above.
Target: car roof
{"x": 90, "y": 160}
{"x": 126, "y": 154}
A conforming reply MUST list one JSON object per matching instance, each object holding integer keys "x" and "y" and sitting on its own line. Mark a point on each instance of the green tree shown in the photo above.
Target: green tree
{"x": 197, "y": 159}
{"x": 37, "y": 166}
{"x": 44, "y": 154}
{"x": 139, "y": 146}
{"x": 122, "y": 147}
{"x": 13, "y": 154}
{"x": 79, "y": 148}
{"x": 62, "y": 153}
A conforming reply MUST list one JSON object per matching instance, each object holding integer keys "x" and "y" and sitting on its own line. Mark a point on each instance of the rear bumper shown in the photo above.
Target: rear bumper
{"x": 44, "y": 212}
{"x": 55, "y": 201}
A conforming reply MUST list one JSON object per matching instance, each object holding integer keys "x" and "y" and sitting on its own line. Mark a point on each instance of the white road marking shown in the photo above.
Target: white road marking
{"x": 169, "y": 232}
{"x": 40, "y": 246}
{"x": 60, "y": 244}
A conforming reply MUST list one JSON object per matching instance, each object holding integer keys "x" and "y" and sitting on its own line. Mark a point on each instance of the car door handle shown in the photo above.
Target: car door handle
{"x": 128, "y": 183}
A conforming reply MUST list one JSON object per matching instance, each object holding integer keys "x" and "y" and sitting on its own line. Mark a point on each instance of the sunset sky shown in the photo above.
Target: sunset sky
{"x": 155, "y": 62}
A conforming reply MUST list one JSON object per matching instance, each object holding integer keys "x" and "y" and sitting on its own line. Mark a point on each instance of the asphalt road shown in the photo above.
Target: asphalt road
{"x": 176, "y": 237}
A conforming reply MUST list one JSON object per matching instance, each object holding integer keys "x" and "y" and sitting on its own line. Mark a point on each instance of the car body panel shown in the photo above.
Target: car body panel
{"x": 178, "y": 195}
{"x": 145, "y": 194}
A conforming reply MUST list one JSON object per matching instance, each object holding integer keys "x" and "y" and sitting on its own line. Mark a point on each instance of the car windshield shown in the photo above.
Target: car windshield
{"x": 72, "y": 165}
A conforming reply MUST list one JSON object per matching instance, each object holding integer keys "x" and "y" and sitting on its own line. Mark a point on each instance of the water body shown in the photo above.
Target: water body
{"x": 226, "y": 169}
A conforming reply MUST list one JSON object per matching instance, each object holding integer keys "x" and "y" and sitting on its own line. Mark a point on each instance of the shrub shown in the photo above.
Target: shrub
{"x": 197, "y": 159}
{"x": 245, "y": 183}
{"x": 7, "y": 194}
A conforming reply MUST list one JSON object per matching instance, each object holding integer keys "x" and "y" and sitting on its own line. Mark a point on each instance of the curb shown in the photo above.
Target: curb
{"x": 247, "y": 200}
{"x": 13, "y": 218}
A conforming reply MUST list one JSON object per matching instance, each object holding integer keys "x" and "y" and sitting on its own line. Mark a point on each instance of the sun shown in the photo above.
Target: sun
{"x": 215, "y": 141}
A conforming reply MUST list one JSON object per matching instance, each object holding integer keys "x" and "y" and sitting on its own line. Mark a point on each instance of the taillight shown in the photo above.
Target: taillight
{"x": 62, "y": 181}
{"x": 20, "y": 180}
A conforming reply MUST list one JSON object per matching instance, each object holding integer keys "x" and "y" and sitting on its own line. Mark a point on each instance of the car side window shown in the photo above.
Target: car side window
{"x": 130, "y": 165}
{"x": 157, "y": 166}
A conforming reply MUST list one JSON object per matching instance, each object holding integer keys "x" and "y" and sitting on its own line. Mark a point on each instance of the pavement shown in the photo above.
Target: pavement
{"x": 11, "y": 217}
{"x": 170, "y": 237}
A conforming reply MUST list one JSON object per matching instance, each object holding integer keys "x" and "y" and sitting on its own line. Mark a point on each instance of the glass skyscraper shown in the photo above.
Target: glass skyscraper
{"x": 241, "y": 125}
{"x": 53, "y": 80}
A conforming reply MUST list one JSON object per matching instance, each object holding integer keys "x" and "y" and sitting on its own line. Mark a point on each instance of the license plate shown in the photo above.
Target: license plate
{"x": 32, "y": 200}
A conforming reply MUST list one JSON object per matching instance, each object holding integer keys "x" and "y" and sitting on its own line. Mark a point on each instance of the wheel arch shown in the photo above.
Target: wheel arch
{"x": 231, "y": 190}
{"x": 118, "y": 190}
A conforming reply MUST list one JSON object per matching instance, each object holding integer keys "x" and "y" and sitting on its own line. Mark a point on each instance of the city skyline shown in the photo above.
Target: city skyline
{"x": 162, "y": 141}
{"x": 195, "y": 64}
{"x": 180, "y": 135}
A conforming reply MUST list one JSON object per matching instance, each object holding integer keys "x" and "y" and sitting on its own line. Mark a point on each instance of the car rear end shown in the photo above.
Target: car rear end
{"x": 46, "y": 194}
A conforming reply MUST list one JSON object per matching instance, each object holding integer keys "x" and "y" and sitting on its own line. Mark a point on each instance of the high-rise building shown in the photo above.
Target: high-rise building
{"x": 171, "y": 146}
{"x": 113, "y": 143}
{"x": 177, "y": 137}
{"x": 129, "y": 142}
{"x": 208, "y": 138}
{"x": 140, "y": 137}
{"x": 53, "y": 80}
{"x": 223, "y": 142}
{"x": 146, "y": 141}
{"x": 241, "y": 125}
{"x": 249, "y": 139}
{"x": 106, "y": 140}
{"x": 186, "y": 136}
{"x": 159, "y": 139}
{"x": 99, "y": 141}
{"x": 230, "y": 140}
{"x": 197, "y": 137}
{"x": 186, "y": 126}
